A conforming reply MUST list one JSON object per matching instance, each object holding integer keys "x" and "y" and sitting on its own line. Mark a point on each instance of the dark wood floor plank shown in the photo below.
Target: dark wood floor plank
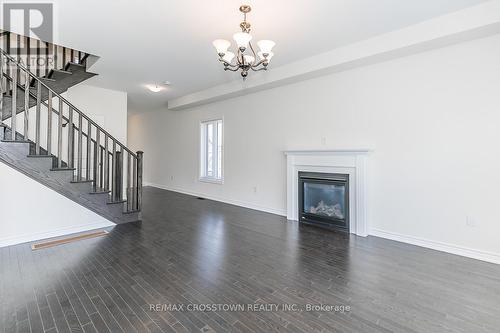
{"x": 99, "y": 323}
{"x": 193, "y": 251}
{"x": 89, "y": 328}
{"x": 106, "y": 316}
{"x": 58, "y": 313}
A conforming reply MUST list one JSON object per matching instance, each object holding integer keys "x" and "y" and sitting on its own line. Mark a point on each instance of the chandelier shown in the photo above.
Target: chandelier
{"x": 245, "y": 58}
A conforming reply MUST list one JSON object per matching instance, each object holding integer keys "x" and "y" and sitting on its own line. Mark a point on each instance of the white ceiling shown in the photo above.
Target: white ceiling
{"x": 146, "y": 41}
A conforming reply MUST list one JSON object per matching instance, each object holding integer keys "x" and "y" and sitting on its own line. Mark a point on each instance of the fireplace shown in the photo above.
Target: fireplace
{"x": 324, "y": 200}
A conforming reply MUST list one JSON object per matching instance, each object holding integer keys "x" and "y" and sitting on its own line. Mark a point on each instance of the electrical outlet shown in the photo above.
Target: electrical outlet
{"x": 323, "y": 140}
{"x": 470, "y": 222}
{"x": 255, "y": 189}
{"x": 171, "y": 178}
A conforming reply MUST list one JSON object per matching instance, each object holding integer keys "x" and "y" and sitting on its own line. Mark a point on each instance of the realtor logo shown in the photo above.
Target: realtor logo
{"x": 35, "y": 20}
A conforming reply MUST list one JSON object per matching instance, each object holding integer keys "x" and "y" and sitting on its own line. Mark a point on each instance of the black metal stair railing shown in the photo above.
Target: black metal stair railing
{"x": 55, "y": 127}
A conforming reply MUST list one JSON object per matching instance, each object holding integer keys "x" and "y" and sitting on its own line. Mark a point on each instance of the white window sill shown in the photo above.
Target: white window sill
{"x": 211, "y": 180}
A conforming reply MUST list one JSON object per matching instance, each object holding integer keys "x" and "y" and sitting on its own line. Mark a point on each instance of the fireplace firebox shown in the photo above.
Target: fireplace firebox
{"x": 324, "y": 200}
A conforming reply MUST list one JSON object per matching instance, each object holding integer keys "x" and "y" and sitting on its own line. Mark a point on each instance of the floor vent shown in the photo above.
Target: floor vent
{"x": 61, "y": 241}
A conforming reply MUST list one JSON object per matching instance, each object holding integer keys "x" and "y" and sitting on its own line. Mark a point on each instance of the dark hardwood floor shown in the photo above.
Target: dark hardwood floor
{"x": 189, "y": 251}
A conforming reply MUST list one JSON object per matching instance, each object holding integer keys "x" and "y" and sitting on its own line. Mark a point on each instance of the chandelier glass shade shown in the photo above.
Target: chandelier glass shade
{"x": 244, "y": 58}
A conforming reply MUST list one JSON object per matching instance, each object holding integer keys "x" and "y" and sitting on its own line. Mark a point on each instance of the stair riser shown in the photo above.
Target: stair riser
{"x": 126, "y": 218}
{"x": 65, "y": 176}
{"x": 116, "y": 209}
{"x": 100, "y": 198}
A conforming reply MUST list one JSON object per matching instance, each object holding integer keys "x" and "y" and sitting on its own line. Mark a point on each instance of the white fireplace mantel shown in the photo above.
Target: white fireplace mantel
{"x": 345, "y": 161}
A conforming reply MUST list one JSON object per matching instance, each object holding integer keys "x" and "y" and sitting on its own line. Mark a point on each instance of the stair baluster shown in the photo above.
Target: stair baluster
{"x": 37, "y": 116}
{"x": 134, "y": 183}
{"x": 89, "y": 147}
{"x": 101, "y": 168}
{"x": 2, "y": 89}
{"x": 97, "y": 146}
{"x": 79, "y": 149}
{"x": 47, "y": 63}
{"x": 13, "y": 119}
{"x": 71, "y": 135}
{"x": 140, "y": 155}
{"x": 106, "y": 163}
{"x": 117, "y": 178}
{"x": 129, "y": 189}
{"x": 113, "y": 169}
{"x": 37, "y": 63}
{"x": 26, "y": 104}
{"x": 18, "y": 52}
{"x": 49, "y": 124}
{"x": 28, "y": 56}
{"x": 105, "y": 156}
{"x": 60, "y": 135}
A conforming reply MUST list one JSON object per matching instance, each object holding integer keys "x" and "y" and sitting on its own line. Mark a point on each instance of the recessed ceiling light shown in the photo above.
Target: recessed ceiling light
{"x": 167, "y": 83}
{"x": 155, "y": 88}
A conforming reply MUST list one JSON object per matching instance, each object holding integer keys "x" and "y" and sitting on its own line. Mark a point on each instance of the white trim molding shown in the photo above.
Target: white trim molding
{"x": 219, "y": 199}
{"x": 28, "y": 238}
{"x": 438, "y": 246}
{"x": 345, "y": 161}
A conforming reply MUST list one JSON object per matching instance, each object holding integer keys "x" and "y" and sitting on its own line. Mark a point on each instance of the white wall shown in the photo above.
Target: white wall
{"x": 31, "y": 211}
{"x": 432, "y": 118}
{"x": 106, "y": 107}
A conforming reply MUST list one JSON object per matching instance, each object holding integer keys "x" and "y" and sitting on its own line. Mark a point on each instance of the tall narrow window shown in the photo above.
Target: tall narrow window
{"x": 211, "y": 151}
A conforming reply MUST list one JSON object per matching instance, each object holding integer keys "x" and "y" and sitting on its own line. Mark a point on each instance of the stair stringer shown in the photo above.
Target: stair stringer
{"x": 15, "y": 155}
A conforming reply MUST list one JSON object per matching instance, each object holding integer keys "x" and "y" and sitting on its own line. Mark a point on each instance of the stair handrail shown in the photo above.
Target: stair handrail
{"x": 56, "y": 112}
{"x": 68, "y": 103}
{"x": 117, "y": 147}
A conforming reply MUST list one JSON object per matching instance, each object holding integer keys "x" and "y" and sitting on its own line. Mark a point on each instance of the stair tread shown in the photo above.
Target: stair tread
{"x": 116, "y": 202}
{"x": 16, "y": 141}
{"x": 48, "y": 79}
{"x": 83, "y": 181}
{"x": 41, "y": 156}
{"x": 132, "y": 211}
{"x": 62, "y": 169}
{"x": 71, "y": 63}
{"x": 100, "y": 192}
{"x": 62, "y": 71}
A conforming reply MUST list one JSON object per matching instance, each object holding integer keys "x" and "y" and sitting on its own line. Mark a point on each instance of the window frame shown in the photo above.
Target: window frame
{"x": 203, "y": 152}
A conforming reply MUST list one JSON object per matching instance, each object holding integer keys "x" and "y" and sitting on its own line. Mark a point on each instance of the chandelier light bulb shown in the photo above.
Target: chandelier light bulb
{"x": 266, "y": 46}
{"x": 242, "y": 39}
{"x": 221, "y": 45}
{"x": 228, "y": 57}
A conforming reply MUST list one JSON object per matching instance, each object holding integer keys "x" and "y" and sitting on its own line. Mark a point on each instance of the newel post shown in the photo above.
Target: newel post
{"x": 139, "y": 179}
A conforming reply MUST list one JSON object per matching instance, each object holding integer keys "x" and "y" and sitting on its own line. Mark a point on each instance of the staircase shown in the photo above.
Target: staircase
{"x": 47, "y": 138}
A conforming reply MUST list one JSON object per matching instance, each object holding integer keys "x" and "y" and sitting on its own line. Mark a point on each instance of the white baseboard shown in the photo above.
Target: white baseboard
{"x": 281, "y": 212}
{"x": 26, "y": 238}
{"x": 430, "y": 244}
{"x": 439, "y": 246}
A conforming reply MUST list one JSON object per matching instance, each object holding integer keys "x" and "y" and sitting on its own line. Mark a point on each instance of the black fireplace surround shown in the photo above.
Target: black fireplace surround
{"x": 324, "y": 200}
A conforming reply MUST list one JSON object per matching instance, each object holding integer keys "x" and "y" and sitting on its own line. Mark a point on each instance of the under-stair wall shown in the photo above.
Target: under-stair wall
{"x": 50, "y": 214}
